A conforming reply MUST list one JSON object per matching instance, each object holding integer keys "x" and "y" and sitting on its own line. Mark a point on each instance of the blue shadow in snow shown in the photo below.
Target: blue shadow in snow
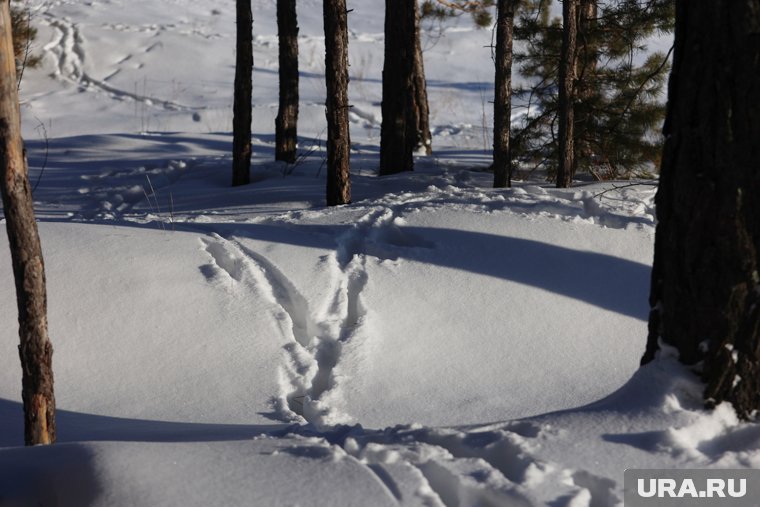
{"x": 608, "y": 282}
{"x": 78, "y": 427}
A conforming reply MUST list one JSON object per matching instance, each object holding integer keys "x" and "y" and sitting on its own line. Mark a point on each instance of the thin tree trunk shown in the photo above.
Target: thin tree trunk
{"x": 502, "y": 105}
{"x": 398, "y": 132}
{"x": 585, "y": 76}
{"x": 566, "y": 101}
{"x": 422, "y": 109}
{"x": 286, "y": 123}
{"x": 336, "y": 70}
{"x": 705, "y": 295}
{"x": 241, "y": 120}
{"x": 35, "y": 350}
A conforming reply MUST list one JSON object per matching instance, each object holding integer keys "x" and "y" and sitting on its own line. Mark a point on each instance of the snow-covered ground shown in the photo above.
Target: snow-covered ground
{"x": 437, "y": 342}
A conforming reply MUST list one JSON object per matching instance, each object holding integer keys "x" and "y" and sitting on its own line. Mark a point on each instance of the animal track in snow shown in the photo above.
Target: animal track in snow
{"x": 316, "y": 334}
{"x": 115, "y": 193}
{"x": 314, "y": 349}
{"x": 379, "y": 233}
{"x": 446, "y": 467}
{"x": 69, "y": 53}
{"x": 316, "y": 339}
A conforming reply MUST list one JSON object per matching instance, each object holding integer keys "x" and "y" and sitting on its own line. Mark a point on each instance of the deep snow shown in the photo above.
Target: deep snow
{"x": 437, "y": 342}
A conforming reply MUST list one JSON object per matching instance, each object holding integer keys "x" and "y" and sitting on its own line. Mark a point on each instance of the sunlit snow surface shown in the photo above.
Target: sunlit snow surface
{"x": 437, "y": 342}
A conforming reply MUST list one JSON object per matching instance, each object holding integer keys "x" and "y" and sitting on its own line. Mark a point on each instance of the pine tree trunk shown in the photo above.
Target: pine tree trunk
{"x": 241, "y": 120}
{"x": 336, "y": 70}
{"x": 287, "y": 117}
{"x": 35, "y": 350}
{"x": 585, "y": 85}
{"x": 398, "y": 133}
{"x": 705, "y": 295}
{"x": 422, "y": 109}
{"x": 502, "y": 105}
{"x": 566, "y": 100}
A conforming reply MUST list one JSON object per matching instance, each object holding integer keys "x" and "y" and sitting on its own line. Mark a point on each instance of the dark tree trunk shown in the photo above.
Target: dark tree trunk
{"x": 502, "y": 104}
{"x": 286, "y": 122}
{"x": 585, "y": 80}
{"x": 336, "y": 70}
{"x": 566, "y": 100}
{"x": 705, "y": 296}
{"x": 398, "y": 133}
{"x": 241, "y": 120}
{"x": 35, "y": 350}
{"x": 422, "y": 110}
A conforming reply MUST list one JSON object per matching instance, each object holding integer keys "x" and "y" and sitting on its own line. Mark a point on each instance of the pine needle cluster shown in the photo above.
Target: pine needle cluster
{"x": 23, "y": 35}
{"x": 619, "y": 104}
{"x": 439, "y": 10}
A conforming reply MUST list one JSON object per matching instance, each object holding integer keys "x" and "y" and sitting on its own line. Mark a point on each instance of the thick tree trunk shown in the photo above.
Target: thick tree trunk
{"x": 286, "y": 123}
{"x": 35, "y": 349}
{"x": 422, "y": 109}
{"x": 398, "y": 133}
{"x": 336, "y": 70}
{"x": 241, "y": 120}
{"x": 566, "y": 101}
{"x": 502, "y": 104}
{"x": 705, "y": 296}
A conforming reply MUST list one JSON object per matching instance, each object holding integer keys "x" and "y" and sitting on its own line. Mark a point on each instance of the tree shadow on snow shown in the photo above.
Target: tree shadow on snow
{"x": 608, "y": 282}
{"x": 78, "y": 427}
{"x": 605, "y": 281}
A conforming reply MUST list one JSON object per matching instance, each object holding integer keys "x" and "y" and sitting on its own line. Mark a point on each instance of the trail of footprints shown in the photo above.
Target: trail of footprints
{"x": 315, "y": 344}
{"x": 314, "y": 347}
{"x": 417, "y": 466}
{"x": 68, "y": 50}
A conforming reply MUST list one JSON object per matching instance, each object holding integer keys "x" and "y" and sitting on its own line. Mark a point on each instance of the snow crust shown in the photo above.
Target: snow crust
{"x": 435, "y": 343}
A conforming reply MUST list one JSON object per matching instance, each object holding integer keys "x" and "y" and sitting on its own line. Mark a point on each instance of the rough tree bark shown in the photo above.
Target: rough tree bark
{"x": 35, "y": 350}
{"x": 586, "y": 66}
{"x": 286, "y": 123}
{"x": 502, "y": 104}
{"x": 398, "y": 132}
{"x": 566, "y": 99}
{"x": 336, "y": 70}
{"x": 705, "y": 294}
{"x": 422, "y": 109}
{"x": 241, "y": 120}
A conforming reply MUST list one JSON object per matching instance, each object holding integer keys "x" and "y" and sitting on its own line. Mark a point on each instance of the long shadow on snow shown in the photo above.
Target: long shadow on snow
{"x": 62, "y": 475}
{"x": 79, "y": 427}
{"x": 608, "y": 282}
{"x": 472, "y": 86}
{"x": 69, "y": 169}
